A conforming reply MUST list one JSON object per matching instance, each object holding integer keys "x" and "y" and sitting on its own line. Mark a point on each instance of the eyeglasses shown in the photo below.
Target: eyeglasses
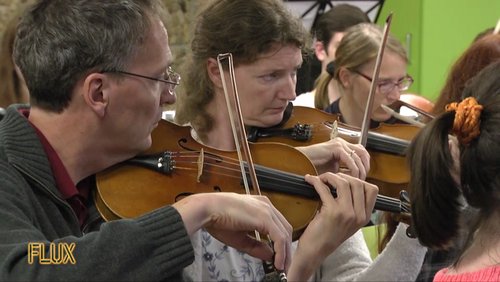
{"x": 387, "y": 86}
{"x": 170, "y": 78}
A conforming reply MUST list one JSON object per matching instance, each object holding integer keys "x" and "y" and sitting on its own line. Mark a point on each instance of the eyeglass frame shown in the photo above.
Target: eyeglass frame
{"x": 407, "y": 77}
{"x": 169, "y": 74}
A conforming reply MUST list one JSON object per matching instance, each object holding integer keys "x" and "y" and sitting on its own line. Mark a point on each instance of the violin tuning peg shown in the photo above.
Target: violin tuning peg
{"x": 410, "y": 232}
{"x": 404, "y": 197}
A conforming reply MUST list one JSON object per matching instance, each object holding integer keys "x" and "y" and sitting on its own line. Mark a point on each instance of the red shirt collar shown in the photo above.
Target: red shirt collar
{"x": 76, "y": 197}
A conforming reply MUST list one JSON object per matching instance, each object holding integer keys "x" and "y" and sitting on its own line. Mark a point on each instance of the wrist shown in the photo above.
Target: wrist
{"x": 303, "y": 265}
{"x": 194, "y": 212}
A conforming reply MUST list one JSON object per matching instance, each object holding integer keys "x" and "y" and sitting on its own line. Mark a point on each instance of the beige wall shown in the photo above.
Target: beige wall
{"x": 8, "y": 9}
{"x": 181, "y": 15}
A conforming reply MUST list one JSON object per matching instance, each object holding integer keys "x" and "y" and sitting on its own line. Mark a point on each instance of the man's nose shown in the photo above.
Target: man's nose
{"x": 168, "y": 97}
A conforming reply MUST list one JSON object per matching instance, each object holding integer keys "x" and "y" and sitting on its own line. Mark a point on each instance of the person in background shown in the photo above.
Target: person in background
{"x": 329, "y": 31}
{"x": 13, "y": 88}
{"x": 267, "y": 44}
{"x": 354, "y": 65}
{"x": 480, "y": 54}
{"x": 98, "y": 74}
{"x": 455, "y": 164}
{"x": 351, "y": 79}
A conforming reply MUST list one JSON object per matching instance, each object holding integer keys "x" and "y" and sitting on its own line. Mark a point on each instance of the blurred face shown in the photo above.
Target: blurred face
{"x": 267, "y": 85}
{"x": 137, "y": 105}
{"x": 392, "y": 71}
{"x": 326, "y": 54}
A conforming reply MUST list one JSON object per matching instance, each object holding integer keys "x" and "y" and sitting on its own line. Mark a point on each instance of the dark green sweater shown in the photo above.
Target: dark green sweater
{"x": 153, "y": 247}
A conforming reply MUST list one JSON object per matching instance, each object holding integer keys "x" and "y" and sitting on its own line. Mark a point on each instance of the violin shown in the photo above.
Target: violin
{"x": 177, "y": 166}
{"x": 306, "y": 126}
{"x": 386, "y": 143}
{"x": 420, "y": 105}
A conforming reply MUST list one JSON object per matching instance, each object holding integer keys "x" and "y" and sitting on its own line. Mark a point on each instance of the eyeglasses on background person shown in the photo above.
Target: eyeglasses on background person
{"x": 386, "y": 87}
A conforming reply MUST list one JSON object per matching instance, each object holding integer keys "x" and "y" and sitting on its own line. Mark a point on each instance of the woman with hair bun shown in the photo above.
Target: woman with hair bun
{"x": 455, "y": 163}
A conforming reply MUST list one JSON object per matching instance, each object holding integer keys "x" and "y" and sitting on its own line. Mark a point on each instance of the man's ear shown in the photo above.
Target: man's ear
{"x": 96, "y": 92}
{"x": 214, "y": 72}
{"x": 320, "y": 51}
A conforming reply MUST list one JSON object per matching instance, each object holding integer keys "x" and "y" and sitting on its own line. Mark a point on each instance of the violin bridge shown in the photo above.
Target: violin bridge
{"x": 200, "y": 162}
{"x": 335, "y": 131}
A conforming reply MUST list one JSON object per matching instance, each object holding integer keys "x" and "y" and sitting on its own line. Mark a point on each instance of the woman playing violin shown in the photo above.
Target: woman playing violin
{"x": 352, "y": 75}
{"x": 267, "y": 44}
{"x": 266, "y": 87}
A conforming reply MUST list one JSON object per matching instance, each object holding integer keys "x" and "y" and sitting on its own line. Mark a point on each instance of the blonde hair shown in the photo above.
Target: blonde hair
{"x": 359, "y": 46}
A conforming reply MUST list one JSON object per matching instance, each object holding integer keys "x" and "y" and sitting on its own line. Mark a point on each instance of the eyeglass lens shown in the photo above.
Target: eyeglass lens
{"x": 402, "y": 85}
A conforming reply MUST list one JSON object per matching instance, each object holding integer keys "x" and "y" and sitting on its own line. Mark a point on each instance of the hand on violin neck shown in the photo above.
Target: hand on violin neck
{"x": 351, "y": 209}
{"x": 230, "y": 217}
{"x": 329, "y": 156}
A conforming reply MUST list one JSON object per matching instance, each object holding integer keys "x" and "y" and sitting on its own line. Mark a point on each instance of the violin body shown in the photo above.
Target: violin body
{"x": 128, "y": 190}
{"x": 420, "y": 105}
{"x": 386, "y": 144}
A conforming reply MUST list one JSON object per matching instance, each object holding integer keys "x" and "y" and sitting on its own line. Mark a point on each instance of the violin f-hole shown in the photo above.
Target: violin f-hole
{"x": 182, "y": 195}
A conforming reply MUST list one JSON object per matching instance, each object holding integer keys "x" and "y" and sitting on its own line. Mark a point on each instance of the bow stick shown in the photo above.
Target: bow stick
{"x": 366, "y": 120}
{"x": 240, "y": 138}
{"x": 369, "y": 104}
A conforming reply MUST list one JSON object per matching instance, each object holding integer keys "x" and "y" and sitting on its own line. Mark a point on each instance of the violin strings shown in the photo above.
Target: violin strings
{"x": 287, "y": 179}
{"x": 377, "y": 141}
{"x": 228, "y": 164}
{"x": 230, "y": 168}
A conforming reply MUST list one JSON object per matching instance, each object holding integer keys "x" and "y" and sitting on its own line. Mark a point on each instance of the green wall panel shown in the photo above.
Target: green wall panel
{"x": 406, "y": 26}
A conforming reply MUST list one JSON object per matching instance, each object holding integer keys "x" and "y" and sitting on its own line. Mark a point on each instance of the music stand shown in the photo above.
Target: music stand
{"x": 323, "y": 4}
{"x": 320, "y": 11}
{"x": 311, "y": 67}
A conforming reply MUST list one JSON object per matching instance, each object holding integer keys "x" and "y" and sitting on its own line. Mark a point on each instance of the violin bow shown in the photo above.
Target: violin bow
{"x": 237, "y": 124}
{"x": 399, "y": 116}
{"x": 240, "y": 139}
{"x": 497, "y": 27}
{"x": 366, "y": 120}
{"x": 369, "y": 104}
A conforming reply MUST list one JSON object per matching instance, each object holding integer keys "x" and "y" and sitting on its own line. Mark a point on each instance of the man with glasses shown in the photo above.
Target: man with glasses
{"x": 98, "y": 74}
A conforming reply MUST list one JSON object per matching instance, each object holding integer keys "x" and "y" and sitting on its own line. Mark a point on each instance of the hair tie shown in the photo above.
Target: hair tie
{"x": 330, "y": 68}
{"x": 467, "y": 119}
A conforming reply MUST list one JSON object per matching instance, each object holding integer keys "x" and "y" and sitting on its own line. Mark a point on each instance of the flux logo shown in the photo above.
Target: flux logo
{"x": 60, "y": 253}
